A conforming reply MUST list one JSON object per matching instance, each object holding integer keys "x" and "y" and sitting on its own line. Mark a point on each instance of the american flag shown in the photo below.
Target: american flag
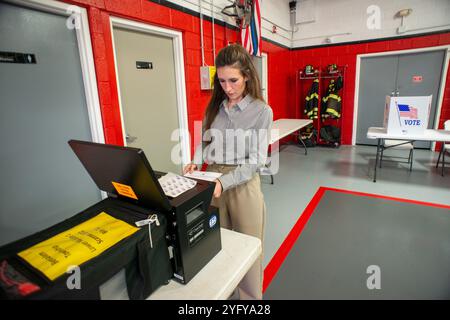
{"x": 251, "y": 35}
{"x": 407, "y": 111}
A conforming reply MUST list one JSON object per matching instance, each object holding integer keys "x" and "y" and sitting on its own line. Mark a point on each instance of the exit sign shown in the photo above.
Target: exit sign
{"x": 417, "y": 79}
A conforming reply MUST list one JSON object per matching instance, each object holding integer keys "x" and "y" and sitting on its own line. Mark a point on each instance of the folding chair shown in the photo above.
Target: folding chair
{"x": 445, "y": 149}
{"x": 399, "y": 144}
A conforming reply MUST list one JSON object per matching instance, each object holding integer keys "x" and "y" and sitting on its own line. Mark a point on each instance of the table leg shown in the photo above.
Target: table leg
{"x": 269, "y": 153}
{"x": 304, "y": 146}
{"x": 439, "y": 158}
{"x": 412, "y": 156}
{"x": 376, "y": 161}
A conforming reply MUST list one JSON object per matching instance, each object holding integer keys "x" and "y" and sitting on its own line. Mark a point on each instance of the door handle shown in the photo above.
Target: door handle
{"x": 129, "y": 138}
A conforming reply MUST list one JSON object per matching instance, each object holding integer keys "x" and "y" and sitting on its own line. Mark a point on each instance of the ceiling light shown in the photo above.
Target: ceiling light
{"x": 403, "y": 13}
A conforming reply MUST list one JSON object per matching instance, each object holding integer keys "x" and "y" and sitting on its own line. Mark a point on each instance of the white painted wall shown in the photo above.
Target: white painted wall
{"x": 276, "y": 12}
{"x": 347, "y": 20}
{"x": 339, "y": 20}
{"x": 272, "y": 12}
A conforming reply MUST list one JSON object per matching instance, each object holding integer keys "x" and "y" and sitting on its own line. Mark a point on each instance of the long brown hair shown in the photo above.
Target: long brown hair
{"x": 234, "y": 56}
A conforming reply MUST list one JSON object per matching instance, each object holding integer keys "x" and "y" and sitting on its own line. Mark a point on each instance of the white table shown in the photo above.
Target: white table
{"x": 283, "y": 127}
{"x": 427, "y": 135}
{"x": 219, "y": 278}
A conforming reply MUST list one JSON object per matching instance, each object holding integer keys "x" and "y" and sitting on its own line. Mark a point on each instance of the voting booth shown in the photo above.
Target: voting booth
{"x": 406, "y": 115}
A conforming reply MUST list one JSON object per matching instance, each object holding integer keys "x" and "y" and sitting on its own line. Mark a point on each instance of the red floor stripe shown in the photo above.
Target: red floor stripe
{"x": 272, "y": 268}
{"x": 277, "y": 260}
{"x": 422, "y": 203}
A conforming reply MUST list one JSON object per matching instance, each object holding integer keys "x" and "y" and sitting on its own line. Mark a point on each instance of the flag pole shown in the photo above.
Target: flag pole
{"x": 399, "y": 117}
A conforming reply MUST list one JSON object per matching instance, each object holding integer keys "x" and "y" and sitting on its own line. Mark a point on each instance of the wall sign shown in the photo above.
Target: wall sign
{"x": 144, "y": 65}
{"x": 17, "y": 57}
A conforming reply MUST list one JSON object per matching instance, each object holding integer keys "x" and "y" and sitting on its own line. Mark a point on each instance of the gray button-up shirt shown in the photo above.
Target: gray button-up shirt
{"x": 240, "y": 136}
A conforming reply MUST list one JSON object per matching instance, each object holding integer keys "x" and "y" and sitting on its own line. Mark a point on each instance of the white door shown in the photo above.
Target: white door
{"x": 148, "y": 95}
{"x": 264, "y": 82}
{"x": 260, "y": 64}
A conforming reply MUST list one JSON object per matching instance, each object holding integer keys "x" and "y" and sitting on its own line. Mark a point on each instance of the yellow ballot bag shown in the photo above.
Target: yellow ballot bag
{"x": 54, "y": 256}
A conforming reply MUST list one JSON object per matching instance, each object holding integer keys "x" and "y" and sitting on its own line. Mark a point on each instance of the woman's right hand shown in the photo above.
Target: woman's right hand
{"x": 189, "y": 168}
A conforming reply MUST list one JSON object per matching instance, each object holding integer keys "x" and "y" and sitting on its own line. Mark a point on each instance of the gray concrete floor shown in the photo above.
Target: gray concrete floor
{"x": 349, "y": 168}
{"x": 349, "y": 236}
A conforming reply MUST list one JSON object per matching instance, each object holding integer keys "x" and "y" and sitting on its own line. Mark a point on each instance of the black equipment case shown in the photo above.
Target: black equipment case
{"x": 146, "y": 268}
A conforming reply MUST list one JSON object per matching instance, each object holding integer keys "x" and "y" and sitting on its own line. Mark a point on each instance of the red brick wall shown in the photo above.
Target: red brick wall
{"x": 282, "y": 63}
{"x": 346, "y": 55}
{"x": 99, "y": 12}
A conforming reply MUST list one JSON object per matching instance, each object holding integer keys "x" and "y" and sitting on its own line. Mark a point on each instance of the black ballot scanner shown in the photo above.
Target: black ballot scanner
{"x": 193, "y": 226}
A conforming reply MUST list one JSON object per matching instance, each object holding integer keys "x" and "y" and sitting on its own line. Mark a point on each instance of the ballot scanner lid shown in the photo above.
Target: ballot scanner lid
{"x": 123, "y": 171}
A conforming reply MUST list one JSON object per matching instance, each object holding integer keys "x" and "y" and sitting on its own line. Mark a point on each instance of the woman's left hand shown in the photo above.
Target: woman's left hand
{"x": 217, "y": 189}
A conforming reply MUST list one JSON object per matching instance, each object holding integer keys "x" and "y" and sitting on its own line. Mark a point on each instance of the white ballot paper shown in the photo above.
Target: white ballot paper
{"x": 173, "y": 185}
{"x": 203, "y": 175}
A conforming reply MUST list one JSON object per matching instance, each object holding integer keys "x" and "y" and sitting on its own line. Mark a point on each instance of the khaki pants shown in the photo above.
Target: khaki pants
{"x": 242, "y": 209}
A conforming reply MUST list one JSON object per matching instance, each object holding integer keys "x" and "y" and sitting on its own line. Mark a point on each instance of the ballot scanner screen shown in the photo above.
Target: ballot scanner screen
{"x": 193, "y": 214}
{"x": 122, "y": 171}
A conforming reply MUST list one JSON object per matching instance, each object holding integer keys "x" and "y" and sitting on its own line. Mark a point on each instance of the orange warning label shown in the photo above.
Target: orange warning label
{"x": 124, "y": 190}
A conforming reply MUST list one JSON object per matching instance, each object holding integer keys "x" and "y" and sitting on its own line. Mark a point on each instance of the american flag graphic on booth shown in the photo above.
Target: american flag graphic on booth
{"x": 251, "y": 35}
{"x": 407, "y": 111}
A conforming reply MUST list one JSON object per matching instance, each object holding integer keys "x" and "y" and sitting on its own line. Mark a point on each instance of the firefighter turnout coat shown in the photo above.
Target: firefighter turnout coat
{"x": 312, "y": 100}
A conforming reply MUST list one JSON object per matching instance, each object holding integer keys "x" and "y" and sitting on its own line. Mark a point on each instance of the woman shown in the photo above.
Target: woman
{"x": 236, "y": 128}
